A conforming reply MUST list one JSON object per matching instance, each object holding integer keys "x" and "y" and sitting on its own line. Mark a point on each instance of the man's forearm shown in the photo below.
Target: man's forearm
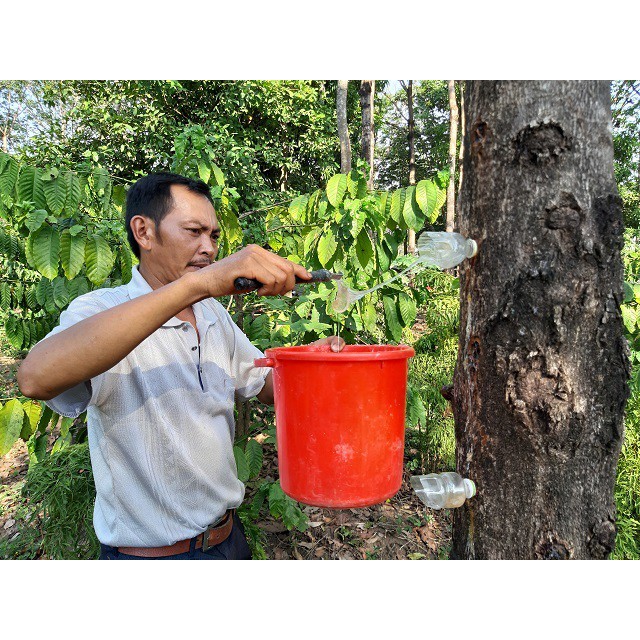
{"x": 94, "y": 345}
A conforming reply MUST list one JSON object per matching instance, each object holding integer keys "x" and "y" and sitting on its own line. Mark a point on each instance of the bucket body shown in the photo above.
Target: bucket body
{"x": 340, "y": 422}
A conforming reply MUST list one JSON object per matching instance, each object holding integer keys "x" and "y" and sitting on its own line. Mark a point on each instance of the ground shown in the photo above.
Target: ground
{"x": 401, "y": 528}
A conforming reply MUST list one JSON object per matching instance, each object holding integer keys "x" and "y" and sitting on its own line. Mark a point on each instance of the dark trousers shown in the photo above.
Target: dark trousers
{"x": 235, "y": 547}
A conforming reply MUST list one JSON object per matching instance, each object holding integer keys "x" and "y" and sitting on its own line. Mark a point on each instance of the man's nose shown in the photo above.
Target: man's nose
{"x": 206, "y": 246}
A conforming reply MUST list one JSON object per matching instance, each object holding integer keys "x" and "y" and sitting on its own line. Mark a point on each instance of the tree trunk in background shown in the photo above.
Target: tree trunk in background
{"x": 411, "y": 244}
{"x": 243, "y": 420}
{"x": 367, "y": 93}
{"x": 453, "y": 140}
{"x": 343, "y": 129}
{"x": 541, "y": 378}
{"x": 461, "y": 154}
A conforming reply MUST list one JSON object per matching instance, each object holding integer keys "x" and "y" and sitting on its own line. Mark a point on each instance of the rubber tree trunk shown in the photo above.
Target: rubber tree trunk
{"x": 453, "y": 144}
{"x": 367, "y": 93}
{"x": 541, "y": 378}
{"x": 343, "y": 128}
{"x": 411, "y": 137}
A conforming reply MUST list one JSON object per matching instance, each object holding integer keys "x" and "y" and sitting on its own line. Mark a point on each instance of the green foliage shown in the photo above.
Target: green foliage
{"x": 68, "y": 245}
{"x": 61, "y": 494}
{"x": 627, "y": 490}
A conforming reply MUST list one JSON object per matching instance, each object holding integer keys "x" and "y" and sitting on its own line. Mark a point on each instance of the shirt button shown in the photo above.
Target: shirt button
{"x": 193, "y": 348}
{"x": 185, "y": 328}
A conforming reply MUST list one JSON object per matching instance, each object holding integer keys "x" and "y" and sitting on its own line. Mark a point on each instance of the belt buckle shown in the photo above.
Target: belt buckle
{"x": 205, "y": 534}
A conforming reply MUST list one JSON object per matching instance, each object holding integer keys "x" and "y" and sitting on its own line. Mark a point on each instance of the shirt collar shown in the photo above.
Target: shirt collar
{"x": 138, "y": 286}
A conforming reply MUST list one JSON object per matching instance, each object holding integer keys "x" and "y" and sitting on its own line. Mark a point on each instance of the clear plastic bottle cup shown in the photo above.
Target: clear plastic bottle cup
{"x": 445, "y": 250}
{"x": 447, "y": 490}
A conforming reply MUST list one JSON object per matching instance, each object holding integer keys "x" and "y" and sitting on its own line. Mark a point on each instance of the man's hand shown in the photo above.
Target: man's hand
{"x": 337, "y": 344}
{"x": 277, "y": 274}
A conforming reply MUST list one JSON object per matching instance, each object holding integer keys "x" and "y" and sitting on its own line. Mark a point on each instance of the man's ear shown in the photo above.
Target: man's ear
{"x": 144, "y": 231}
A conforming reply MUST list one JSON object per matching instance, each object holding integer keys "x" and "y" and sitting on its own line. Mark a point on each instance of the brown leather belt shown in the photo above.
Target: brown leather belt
{"x": 210, "y": 538}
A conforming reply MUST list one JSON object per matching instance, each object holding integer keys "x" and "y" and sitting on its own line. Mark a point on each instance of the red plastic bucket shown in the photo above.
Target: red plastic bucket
{"x": 340, "y": 422}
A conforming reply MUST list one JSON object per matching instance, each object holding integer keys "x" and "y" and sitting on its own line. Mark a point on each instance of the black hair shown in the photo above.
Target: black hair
{"x": 151, "y": 197}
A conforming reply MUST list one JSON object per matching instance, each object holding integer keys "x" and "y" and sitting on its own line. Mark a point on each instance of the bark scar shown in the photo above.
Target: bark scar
{"x": 540, "y": 143}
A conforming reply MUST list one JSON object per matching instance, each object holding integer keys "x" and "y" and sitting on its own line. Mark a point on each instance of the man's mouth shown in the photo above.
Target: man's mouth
{"x": 199, "y": 265}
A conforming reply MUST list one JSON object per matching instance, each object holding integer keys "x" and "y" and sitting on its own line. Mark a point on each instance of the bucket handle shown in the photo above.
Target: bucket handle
{"x": 264, "y": 362}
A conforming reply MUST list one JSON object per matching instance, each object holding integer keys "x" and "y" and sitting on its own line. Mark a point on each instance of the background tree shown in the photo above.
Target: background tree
{"x": 367, "y": 94}
{"x": 453, "y": 148}
{"x": 408, "y": 87}
{"x": 541, "y": 378}
{"x": 343, "y": 127}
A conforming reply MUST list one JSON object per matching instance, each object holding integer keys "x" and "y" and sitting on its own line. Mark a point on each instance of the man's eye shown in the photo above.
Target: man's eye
{"x": 194, "y": 230}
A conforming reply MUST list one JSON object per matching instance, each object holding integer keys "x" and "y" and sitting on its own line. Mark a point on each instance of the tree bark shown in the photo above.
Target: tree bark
{"x": 343, "y": 129}
{"x": 453, "y": 143}
{"x": 411, "y": 240}
{"x": 541, "y": 378}
{"x": 367, "y": 93}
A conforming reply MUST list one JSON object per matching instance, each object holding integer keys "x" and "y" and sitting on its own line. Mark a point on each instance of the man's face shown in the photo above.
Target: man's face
{"x": 186, "y": 239}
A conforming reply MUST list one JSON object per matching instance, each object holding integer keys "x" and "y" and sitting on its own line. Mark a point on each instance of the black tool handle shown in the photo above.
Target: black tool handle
{"x": 244, "y": 285}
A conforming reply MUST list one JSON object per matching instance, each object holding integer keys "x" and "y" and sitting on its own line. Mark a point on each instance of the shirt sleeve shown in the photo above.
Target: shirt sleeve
{"x": 74, "y": 401}
{"x": 249, "y": 379}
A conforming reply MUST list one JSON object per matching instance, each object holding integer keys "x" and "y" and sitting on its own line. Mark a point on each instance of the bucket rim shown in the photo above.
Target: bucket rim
{"x": 350, "y": 353}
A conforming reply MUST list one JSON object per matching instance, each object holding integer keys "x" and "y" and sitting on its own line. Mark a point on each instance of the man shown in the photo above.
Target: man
{"x": 156, "y": 363}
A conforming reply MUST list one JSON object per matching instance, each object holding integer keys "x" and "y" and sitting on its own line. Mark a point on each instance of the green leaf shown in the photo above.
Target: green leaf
{"x": 416, "y": 412}
{"x": 72, "y": 253}
{"x": 74, "y": 193}
{"x": 364, "y": 248}
{"x": 26, "y": 334}
{"x": 32, "y": 410}
{"x": 76, "y": 229}
{"x": 358, "y": 218}
{"x": 55, "y": 192}
{"x": 99, "y": 259}
{"x": 629, "y": 294}
{"x": 37, "y": 448}
{"x": 30, "y": 187}
{"x": 369, "y": 316}
{"x": 429, "y": 198}
{"x": 43, "y": 291}
{"x": 629, "y": 317}
{"x": 13, "y": 329}
{"x": 11, "y": 417}
{"x": 8, "y": 177}
{"x": 408, "y": 213}
{"x": 30, "y": 297}
{"x": 218, "y": 175}
{"x": 45, "y": 248}
{"x": 35, "y": 219}
{"x": 336, "y": 188}
{"x": 204, "y": 171}
{"x": 102, "y": 186}
{"x": 45, "y": 418}
{"x": 393, "y": 326}
{"x": 60, "y": 293}
{"x": 253, "y": 454}
{"x": 327, "y": 247}
{"x": 407, "y": 307}
{"x": 241, "y": 464}
{"x": 126, "y": 263}
{"x": 77, "y": 287}
{"x": 5, "y": 296}
{"x": 298, "y": 208}
{"x": 397, "y": 204}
